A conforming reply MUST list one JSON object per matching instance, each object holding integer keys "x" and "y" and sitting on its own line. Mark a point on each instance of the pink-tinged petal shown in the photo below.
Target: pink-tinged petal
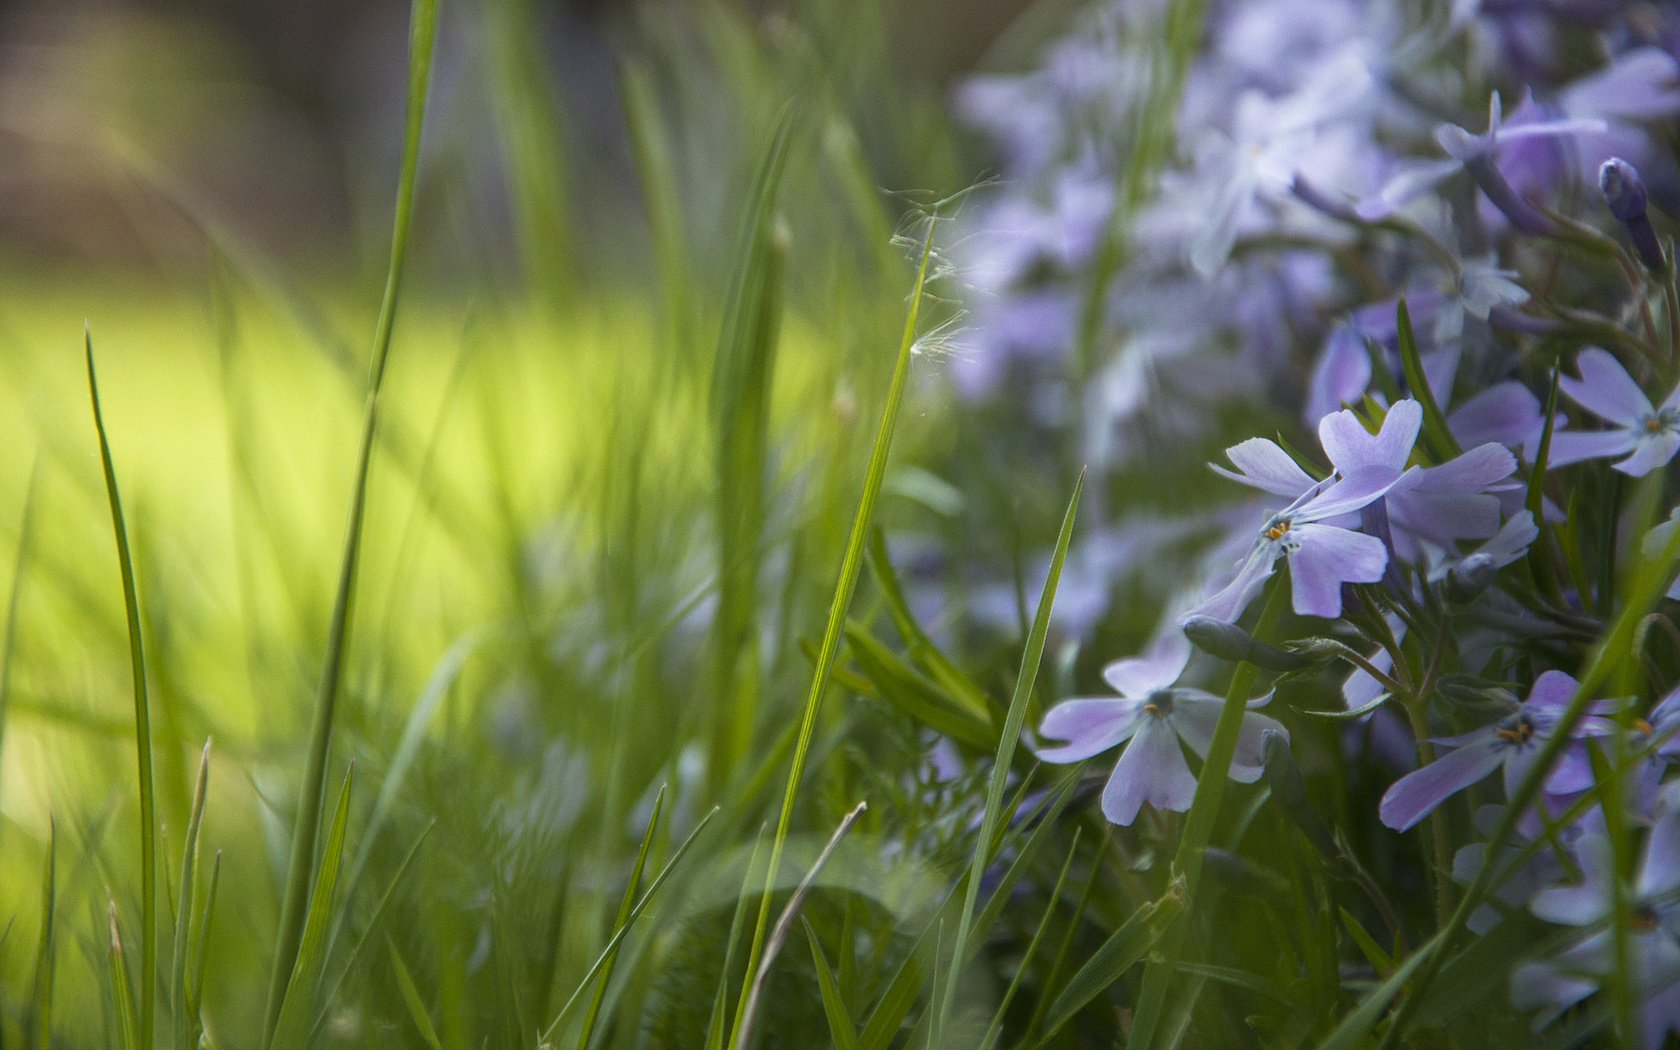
{"x": 1650, "y": 452}
{"x": 1263, "y": 465}
{"x": 1138, "y": 676}
{"x": 1229, "y": 602}
{"x": 1090, "y": 727}
{"x": 1605, "y": 389}
{"x": 1327, "y": 558}
{"x": 1574, "y": 446}
{"x": 1415, "y": 795}
{"x": 1352, "y": 448}
{"x": 1507, "y": 413}
{"x": 1152, "y": 769}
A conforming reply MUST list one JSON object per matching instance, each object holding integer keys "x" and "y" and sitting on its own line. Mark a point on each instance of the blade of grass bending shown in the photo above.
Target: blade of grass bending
{"x": 122, "y": 986}
{"x": 850, "y": 567}
{"x": 304, "y": 986}
{"x": 619, "y": 934}
{"x": 412, "y": 999}
{"x": 186, "y": 1036}
{"x": 1006, "y": 753}
{"x": 1647, "y": 589}
{"x": 294, "y": 903}
{"x": 26, "y": 543}
{"x": 1198, "y": 824}
{"x": 995, "y": 1029}
{"x": 840, "y": 1030}
{"x": 45, "y": 952}
{"x": 142, "y": 722}
{"x": 624, "y": 907}
{"x": 784, "y": 924}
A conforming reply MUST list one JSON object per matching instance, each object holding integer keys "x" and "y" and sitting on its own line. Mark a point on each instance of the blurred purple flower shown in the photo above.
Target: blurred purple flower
{"x": 1648, "y": 436}
{"x": 1155, "y": 717}
{"x": 1512, "y": 743}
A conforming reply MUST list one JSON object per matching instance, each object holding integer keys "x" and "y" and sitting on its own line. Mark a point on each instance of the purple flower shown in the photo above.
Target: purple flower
{"x": 1648, "y": 436}
{"x": 1155, "y": 717}
{"x": 1475, "y": 154}
{"x": 1512, "y": 743}
{"x": 1653, "y": 935}
{"x": 1321, "y": 556}
{"x": 1441, "y": 505}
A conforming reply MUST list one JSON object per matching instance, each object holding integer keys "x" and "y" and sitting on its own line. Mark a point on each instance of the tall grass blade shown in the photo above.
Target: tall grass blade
{"x": 142, "y": 723}
{"x": 291, "y": 1029}
{"x": 618, "y": 937}
{"x": 1005, "y": 758}
{"x": 306, "y": 830}
{"x": 1125, "y": 947}
{"x": 740, "y": 408}
{"x": 624, "y": 907}
{"x": 995, "y": 1030}
{"x": 661, "y": 201}
{"x": 186, "y": 1024}
{"x": 784, "y": 924}
{"x": 850, "y": 567}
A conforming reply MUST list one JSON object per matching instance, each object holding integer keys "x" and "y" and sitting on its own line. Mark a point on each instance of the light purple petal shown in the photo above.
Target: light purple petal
{"x": 1138, "y": 676}
{"x": 1229, "y": 602}
{"x": 1265, "y": 466}
{"x": 1650, "y": 451}
{"x": 1352, "y": 448}
{"x": 1659, "y": 872}
{"x": 1605, "y": 389}
{"x": 1507, "y": 412}
{"x": 1443, "y": 518}
{"x": 1411, "y": 183}
{"x": 1415, "y": 795}
{"x": 1341, "y": 375}
{"x": 1551, "y": 693}
{"x": 1347, "y": 495}
{"x": 1090, "y": 727}
{"x": 1573, "y": 446}
{"x": 1152, "y": 769}
{"x": 1327, "y": 558}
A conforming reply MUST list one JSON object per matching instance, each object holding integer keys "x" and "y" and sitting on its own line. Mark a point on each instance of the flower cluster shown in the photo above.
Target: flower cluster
{"x": 1477, "y": 314}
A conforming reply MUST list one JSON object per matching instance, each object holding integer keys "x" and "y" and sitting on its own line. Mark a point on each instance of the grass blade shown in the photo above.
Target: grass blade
{"x": 26, "y": 544}
{"x": 995, "y": 1029}
{"x": 840, "y": 1030}
{"x": 1442, "y": 445}
{"x": 186, "y": 1026}
{"x": 624, "y": 907}
{"x": 304, "y": 985}
{"x": 784, "y": 924}
{"x": 122, "y": 986}
{"x": 1108, "y": 963}
{"x": 142, "y": 723}
{"x": 850, "y": 567}
{"x": 1006, "y": 754}
{"x": 412, "y": 999}
{"x": 294, "y": 903}
{"x": 618, "y": 937}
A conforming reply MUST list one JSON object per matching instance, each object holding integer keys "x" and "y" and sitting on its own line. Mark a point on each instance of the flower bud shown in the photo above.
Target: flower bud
{"x": 1230, "y": 642}
{"x": 1469, "y": 578}
{"x": 1626, "y": 197}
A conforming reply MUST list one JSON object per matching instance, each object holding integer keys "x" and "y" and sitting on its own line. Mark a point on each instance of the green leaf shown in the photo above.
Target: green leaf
{"x": 412, "y": 998}
{"x": 122, "y": 987}
{"x": 187, "y": 1027}
{"x": 840, "y": 1030}
{"x": 296, "y": 1013}
{"x": 1436, "y": 435}
{"x": 312, "y": 791}
{"x": 142, "y": 725}
{"x": 623, "y": 919}
{"x": 47, "y": 949}
{"x": 1123, "y": 949}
